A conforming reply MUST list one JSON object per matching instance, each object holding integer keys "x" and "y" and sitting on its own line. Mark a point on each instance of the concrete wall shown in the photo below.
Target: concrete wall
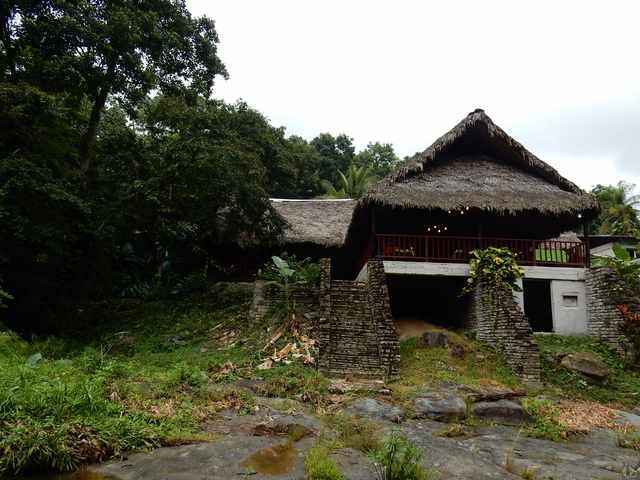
{"x": 569, "y": 307}
{"x": 567, "y": 283}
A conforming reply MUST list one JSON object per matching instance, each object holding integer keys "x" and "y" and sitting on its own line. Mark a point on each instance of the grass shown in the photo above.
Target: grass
{"x": 629, "y": 440}
{"x": 424, "y": 367}
{"x": 319, "y": 465}
{"x": 352, "y": 432}
{"x": 141, "y": 374}
{"x": 398, "y": 458}
{"x": 621, "y": 388}
{"x": 545, "y": 422}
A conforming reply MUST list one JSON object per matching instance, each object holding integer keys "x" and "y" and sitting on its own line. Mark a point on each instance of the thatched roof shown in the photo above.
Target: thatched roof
{"x": 478, "y": 165}
{"x": 321, "y": 222}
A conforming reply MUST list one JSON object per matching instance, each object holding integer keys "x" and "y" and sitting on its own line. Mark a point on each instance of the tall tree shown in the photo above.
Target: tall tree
{"x": 336, "y": 155}
{"x": 378, "y": 157}
{"x": 119, "y": 49}
{"x": 619, "y": 209}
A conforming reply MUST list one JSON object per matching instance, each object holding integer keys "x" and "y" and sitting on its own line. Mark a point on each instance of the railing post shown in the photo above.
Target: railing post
{"x": 426, "y": 249}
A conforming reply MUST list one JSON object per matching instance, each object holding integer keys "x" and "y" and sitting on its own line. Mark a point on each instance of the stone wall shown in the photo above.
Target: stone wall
{"x": 356, "y": 333}
{"x": 499, "y": 321}
{"x": 353, "y": 323}
{"x": 267, "y": 296}
{"x": 603, "y": 316}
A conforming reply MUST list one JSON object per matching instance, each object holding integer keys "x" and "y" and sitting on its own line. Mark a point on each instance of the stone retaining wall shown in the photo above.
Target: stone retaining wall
{"x": 499, "y": 321}
{"x": 603, "y": 315}
{"x": 354, "y": 329}
{"x": 356, "y": 332}
{"x": 268, "y": 296}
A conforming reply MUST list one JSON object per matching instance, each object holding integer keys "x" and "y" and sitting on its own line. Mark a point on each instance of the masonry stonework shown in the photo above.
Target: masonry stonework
{"x": 356, "y": 332}
{"x": 499, "y": 321}
{"x": 604, "y": 317}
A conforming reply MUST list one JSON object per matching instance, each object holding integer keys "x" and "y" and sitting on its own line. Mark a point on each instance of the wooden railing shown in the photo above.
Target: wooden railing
{"x": 457, "y": 249}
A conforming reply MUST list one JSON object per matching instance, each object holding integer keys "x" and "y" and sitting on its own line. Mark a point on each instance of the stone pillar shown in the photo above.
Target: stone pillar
{"x": 324, "y": 322}
{"x": 499, "y": 321}
{"x": 604, "y": 317}
{"x": 379, "y": 303}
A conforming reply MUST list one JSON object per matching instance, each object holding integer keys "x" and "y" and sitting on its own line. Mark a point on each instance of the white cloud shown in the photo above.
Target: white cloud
{"x": 405, "y": 72}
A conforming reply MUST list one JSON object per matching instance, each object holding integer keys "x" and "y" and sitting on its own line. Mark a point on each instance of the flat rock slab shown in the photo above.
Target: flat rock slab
{"x": 626, "y": 418}
{"x": 442, "y": 406}
{"x": 375, "y": 409}
{"x": 504, "y": 412}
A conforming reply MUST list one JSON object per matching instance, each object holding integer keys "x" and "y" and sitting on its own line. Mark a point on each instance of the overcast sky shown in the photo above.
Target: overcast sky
{"x": 562, "y": 77}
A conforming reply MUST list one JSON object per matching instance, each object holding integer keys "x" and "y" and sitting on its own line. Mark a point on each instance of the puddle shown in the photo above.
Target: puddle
{"x": 78, "y": 475}
{"x": 276, "y": 460}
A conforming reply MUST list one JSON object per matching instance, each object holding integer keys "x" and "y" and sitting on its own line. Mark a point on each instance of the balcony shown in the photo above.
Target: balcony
{"x": 422, "y": 248}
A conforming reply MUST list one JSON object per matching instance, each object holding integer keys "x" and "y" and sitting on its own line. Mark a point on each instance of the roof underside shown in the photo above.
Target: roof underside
{"x": 478, "y": 165}
{"x": 321, "y": 222}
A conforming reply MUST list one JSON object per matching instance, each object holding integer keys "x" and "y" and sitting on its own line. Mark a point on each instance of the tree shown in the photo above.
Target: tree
{"x": 118, "y": 49}
{"x": 353, "y": 184}
{"x": 379, "y": 157}
{"x": 336, "y": 154}
{"x": 619, "y": 214}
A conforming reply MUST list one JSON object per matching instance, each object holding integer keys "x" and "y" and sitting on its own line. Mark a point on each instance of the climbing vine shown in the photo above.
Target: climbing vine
{"x": 496, "y": 268}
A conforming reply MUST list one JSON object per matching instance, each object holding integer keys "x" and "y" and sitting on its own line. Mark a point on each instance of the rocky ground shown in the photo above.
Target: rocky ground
{"x": 260, "y": 445}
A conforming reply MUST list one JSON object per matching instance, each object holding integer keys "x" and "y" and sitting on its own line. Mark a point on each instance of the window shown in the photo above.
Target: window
{"x": 570, "y": 300}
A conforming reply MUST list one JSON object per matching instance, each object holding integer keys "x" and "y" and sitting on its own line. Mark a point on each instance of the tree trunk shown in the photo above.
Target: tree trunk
{"x": 89, "y": 138}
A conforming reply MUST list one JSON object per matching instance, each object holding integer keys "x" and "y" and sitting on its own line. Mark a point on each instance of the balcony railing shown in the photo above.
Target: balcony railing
{"x": 458, "y": 249}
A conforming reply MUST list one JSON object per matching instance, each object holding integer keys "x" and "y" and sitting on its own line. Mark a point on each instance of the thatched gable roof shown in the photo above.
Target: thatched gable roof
{"x": 321, "y": 222}
{"x": 478, "y": 165}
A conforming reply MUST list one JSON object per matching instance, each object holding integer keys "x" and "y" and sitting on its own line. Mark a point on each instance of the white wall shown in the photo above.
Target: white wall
{"x": 568, "y": 307}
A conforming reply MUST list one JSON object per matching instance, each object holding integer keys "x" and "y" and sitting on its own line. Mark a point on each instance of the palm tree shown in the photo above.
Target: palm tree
{"x": 353, "y": 184}
{"x": 619, "y": 209}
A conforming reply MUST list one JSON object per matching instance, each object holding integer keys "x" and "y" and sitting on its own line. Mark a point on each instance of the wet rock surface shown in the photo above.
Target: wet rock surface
{"x": 259, "y": 446}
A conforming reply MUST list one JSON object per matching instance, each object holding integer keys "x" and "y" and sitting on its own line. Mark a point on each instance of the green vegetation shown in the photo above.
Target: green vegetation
{"x": 621, "y": 387}
{"x": 352, "y": 184}
{"x": 352, "y": 432}
{"x": 399, "y": 459}
{"x": 496, "y": 267}
{"x": 420, "y": 367}
{"x": 106, "y": 190}
{"x": 629, "y": 440}
{"x": 320, "y": 466}
{"x": 151, "y": 374}
{"x": 545, "y": 420}
{"x": 618, "y": 210}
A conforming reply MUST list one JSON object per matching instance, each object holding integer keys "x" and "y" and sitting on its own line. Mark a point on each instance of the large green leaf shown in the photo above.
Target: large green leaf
{"x": 620, "y": 252}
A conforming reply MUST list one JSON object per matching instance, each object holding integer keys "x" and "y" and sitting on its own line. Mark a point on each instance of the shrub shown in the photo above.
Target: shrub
{"x": 399, "y": 459}
{"x": 495, "y": 266}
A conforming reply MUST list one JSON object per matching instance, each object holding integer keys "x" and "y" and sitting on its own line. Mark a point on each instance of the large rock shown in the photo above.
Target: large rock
{"x": 432, "y": 339}
{"x": 443, "y": 407}
{"x": 504, "y": 412}
{"x": 587, "y": 363}
{"x": 372, "y": 408}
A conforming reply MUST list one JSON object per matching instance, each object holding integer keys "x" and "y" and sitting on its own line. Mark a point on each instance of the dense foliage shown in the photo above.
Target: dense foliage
{"x": 117, "y": 169}
{"x": 496, "y": 268}
{"x": 619, "y": 210}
